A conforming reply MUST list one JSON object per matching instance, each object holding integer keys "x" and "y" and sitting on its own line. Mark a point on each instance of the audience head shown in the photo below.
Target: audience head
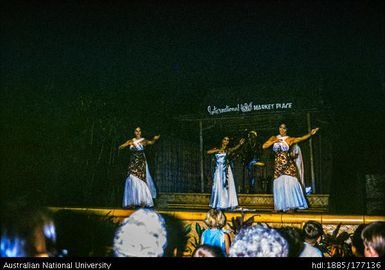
{"x": 176, "y": 236}
{"x": 142, "y": 234}
{"x": 294, "y": 239}
{"x": 373, "y": 236}
{"x": 258, "y": 241}
{"x": 207, "y": 251}
{"x": 27, "y": 231}
{"x": 312, "y": 231}
{"x": 357, "y": 243}
{"x": 215, "y": 218}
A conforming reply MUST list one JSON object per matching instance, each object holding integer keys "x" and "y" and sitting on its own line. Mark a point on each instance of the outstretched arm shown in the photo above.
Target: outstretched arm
{"x": 213, "y": 151}
{"x": 270, "y": 142}
{"x": 305, "y": 137}
{"x": 151, "y": 142}
{"x": 241, "y": 142}
{"x": 124, "y": 145}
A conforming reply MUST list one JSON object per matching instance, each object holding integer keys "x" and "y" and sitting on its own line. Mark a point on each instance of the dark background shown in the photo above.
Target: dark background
{"x": 76, "y": 74}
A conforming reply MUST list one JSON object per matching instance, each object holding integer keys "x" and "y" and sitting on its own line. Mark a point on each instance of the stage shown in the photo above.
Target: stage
{"x": 318, "y": 203}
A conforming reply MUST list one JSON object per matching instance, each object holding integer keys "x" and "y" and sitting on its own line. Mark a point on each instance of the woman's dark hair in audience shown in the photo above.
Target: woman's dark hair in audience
{"x": 357, "y": 243}
{"x": 294, "y": 238}
{"x": 373, "y": 236}
{"x": 176, "y": 238}
{"x": 207, "y": 251}
{"x": 312, "y": 230}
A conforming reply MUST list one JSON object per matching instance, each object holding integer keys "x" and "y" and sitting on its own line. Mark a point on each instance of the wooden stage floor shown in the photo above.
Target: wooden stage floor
{"x": 318, "y": 203}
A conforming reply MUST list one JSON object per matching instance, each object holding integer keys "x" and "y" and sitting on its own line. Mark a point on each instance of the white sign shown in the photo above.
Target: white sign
{"x": 249, "y": 107}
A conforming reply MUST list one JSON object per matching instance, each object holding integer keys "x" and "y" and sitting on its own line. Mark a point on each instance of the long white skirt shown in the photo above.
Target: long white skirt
{"x": 288, "y": 194}
{"x": 221, "y": 197}
{"x": 137, "y": 192}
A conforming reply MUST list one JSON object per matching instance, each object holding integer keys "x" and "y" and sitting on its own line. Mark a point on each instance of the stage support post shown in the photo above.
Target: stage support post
{"x": 311, "y": 154}
{"x": 201, "y": 154}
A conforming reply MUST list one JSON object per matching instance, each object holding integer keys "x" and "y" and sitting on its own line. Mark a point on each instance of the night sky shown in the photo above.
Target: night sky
{"x": 142, "y": 64}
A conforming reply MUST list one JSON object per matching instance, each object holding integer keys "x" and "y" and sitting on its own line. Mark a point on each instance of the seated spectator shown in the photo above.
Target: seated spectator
{"x": 142, "y": 234}
{"x": 207, "y": 251}
{"x": 357, "y": 243}
{"x": 295, "y": 240}
{"x": 215, "y": 235}
{"x": 312, "y": 232}
{"x": 258, "y": 241}
{"x": 373, "y": 236}
{"x": 26, "y": 231}
{"x": 176, "y": 236}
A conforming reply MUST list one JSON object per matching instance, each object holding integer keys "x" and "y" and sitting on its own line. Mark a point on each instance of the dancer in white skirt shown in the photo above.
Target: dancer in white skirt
{"x": 139, "y": 189}
{"x": 288, "y": 193}
{"x": 223, "y": 194}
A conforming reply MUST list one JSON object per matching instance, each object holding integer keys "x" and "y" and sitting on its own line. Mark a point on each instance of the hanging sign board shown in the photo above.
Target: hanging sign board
{"x": 249, "y": 107}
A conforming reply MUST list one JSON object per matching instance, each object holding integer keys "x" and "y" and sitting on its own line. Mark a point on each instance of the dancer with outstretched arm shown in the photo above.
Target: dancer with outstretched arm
{"x": 287, "y": 191}
{"x": 139, "y": 189}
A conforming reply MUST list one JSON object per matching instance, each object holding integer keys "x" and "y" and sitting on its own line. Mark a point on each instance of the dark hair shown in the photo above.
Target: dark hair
{"x": 207, "y": 251}
{"x": 294, "y": 238}
{"x": 357, "y": 241}
{"x": 176, "y": 239}
{"x": 289, "y": 123}
{"x": 312, "y": 230}
{"x": 374, "y": 237}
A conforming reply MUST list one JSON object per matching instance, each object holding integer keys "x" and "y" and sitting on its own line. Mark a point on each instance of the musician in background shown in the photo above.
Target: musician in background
{"x": 251, "y": 153}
